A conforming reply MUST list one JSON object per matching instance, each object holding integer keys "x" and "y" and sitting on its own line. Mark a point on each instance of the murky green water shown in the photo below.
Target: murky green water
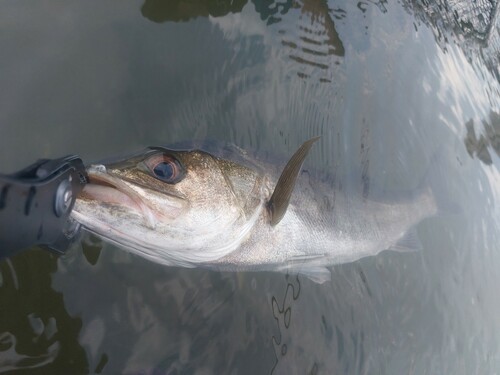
{"x": 386, "y": 85}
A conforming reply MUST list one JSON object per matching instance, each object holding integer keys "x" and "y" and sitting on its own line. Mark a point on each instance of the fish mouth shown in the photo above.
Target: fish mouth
{"x": 106, "y": 188}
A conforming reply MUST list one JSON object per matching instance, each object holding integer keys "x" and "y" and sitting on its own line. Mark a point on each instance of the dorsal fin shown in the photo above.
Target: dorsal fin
{"x": 278, "y": 203}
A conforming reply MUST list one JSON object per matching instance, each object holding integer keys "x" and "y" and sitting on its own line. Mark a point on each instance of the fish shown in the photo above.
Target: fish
{"x": 191, "y": 208}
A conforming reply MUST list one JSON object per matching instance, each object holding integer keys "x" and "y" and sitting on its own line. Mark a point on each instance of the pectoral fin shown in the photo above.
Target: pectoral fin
{"x": 409, "y": 242}
{"x": 311, "y": 266}
{"x": 278, "y": 203}
{"x": 318, "y": 274}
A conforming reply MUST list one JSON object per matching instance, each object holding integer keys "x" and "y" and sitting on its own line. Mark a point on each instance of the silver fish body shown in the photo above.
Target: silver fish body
{"x": 192, "y": 209}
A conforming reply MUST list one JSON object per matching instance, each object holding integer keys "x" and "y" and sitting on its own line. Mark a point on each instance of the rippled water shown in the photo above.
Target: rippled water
{"x": 386, "y": 85}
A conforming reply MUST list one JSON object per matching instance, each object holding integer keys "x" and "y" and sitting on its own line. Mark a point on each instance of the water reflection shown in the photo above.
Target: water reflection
{"x": 282, "y": 312}
{"x": 490, "y": 138}
{"x": 143, "y": 318}
{"x": 473, "y": 24}
{"x": 312, "y": 41}
{"x": 36, "y": 332}
{"x": 380, "y": 4}
{"x": 182, "y": 10}
{"x": 317, "y": 40}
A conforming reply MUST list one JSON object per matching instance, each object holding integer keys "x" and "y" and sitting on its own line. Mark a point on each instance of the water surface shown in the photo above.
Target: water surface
{"x": 387, "y": 86}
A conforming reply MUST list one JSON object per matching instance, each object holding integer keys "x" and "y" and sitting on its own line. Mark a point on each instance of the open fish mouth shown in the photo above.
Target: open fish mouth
{"x": 107, "y": 189}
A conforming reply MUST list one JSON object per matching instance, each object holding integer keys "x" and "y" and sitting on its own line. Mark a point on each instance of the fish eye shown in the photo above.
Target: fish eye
{"x": 165, "y": 168}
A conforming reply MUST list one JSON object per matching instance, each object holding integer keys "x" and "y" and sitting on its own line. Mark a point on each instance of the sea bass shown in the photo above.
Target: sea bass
{"x": 190, "y": 208}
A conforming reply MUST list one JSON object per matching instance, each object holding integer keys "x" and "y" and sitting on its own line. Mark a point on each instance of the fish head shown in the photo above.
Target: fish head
{"x": 172, "y": 206}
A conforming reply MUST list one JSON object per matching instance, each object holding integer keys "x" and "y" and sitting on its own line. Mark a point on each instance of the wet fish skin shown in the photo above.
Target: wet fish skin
{"x": 217, "y": 216}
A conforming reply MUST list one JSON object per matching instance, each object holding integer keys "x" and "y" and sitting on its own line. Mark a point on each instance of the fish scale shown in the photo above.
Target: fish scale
{"x": 221, "y": 215}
